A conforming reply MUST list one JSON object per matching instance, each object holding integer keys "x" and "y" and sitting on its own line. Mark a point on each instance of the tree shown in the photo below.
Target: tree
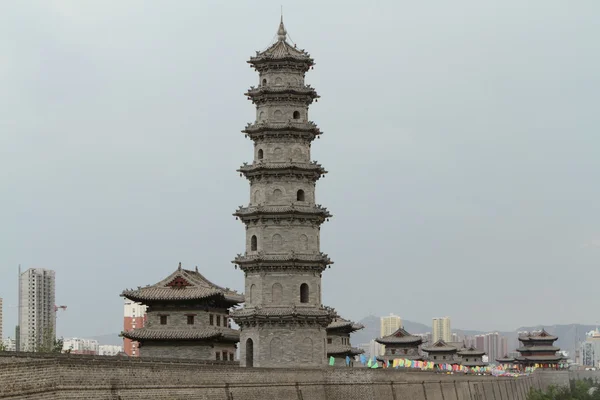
{"x": 49, "y": 343}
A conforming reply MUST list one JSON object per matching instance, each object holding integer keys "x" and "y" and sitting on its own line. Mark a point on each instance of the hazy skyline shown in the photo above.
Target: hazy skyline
{"x": 460, "y": 139}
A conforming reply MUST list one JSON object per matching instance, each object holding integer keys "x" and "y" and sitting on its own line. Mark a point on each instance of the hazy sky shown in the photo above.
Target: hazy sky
{"x": 461, "y": 139}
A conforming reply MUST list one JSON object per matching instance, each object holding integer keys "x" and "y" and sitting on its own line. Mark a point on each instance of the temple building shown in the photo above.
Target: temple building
{"x": 506, "y": 361}
{"x": 187, "y": 316}
{"x": 400, "y": 344}
{"x": 471, "y": 357}
{"x": 282, "y": 323}
{"x": 441, "y": 353}
{"x": 538, "y": 348}
{"x": 338, "y": 340}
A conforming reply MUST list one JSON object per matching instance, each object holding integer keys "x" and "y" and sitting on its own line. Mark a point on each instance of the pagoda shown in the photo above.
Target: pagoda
{"x": 506, "y": 361}
{"x": 283, "y": 323}
{"x": 537, "y": 349}
{"x": 471, "y": 357}
{"x": 441, "y": 353}
{"x": 338, "y": 340}
{"x": 187, "y": 316}
{"x": 400, "y": 344}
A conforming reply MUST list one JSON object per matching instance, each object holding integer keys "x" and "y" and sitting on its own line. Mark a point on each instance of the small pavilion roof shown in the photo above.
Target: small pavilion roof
{"x": 344, "y": 349}
{"x": 505, "y": 359}
{"x": 218, "y": 334}
{"x": 440, "y": 346}
{"x": 183, "y": 285}
{"x": 471, "y": 351}
{"x": 540, "y": 358}
{"x": 339, "y": 323}
{"x": 401, "y": 336}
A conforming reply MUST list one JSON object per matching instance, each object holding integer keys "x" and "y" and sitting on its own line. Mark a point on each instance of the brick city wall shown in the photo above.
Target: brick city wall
{"x": 109, "y": 378}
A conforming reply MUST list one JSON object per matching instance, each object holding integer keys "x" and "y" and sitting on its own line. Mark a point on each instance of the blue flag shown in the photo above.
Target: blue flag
{"x": 347, "y": 360}
{"x": 363, "y": 359}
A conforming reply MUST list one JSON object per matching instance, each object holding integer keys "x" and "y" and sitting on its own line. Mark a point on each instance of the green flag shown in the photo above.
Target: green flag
{"x": 369, "y": 364}
{"x": 375, "y": 365}
{"x": 331, "y": 361}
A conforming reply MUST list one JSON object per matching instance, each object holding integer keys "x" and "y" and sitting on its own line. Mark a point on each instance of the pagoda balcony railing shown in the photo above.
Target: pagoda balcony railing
{"x": 290, "y": 124}
{"x": 315, "y": 209}
{"x": 263, "y": 164}
{"x": 289, "y": 256}
{"x": 280, "y": 88}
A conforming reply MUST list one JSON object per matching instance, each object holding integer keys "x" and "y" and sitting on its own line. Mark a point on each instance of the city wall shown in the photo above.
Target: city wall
{"x": 109, "y": 378}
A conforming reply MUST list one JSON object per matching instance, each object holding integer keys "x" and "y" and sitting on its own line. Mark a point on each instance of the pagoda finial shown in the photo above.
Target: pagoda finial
{"x": 281, "y": 32}
{"x": 179, "y": 267}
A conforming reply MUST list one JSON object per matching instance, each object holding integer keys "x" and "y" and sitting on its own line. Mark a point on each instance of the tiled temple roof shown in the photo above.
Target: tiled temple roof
{"x": 505, "y": 359}
{"x": 439, "y": 346}
{"x": 538, "y": 336}
{"x": 141, "y": 334}
{"x": 540, "y": 358}
{"x": 345, "y": 349}
{"x": 283, "y": 311}
{"x": 533, "y": 349}
{"x": 345, "y": 325}
{"x": 471, "y": 351}
{"x": 313, "y": 166}
{"x": 183, "y": 285}
{"x": 312, "y": 210}
{"x": 293, "y": 89}
{"x": 401, "y": 336}
{"x": 290, "y": 256}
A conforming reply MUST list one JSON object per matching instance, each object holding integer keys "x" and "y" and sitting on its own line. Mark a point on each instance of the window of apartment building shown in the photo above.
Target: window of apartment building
{"x": 211, "y": 319}
{"x": 163, "y": 319}
{"x": 190, "y": 320}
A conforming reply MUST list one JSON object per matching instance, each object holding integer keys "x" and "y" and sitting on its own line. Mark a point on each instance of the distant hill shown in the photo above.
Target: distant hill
{"x": 372, "y": 329}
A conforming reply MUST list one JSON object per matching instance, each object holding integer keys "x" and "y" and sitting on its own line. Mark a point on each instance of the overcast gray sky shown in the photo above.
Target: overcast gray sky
{"x": 461, "y": 139}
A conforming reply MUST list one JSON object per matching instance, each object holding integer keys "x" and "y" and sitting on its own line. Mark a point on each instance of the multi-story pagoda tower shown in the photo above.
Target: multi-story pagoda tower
{"x": 283, "y": 322}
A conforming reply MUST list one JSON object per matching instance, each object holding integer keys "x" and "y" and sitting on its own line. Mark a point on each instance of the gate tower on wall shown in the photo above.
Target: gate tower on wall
{"x": 283, "y": 322}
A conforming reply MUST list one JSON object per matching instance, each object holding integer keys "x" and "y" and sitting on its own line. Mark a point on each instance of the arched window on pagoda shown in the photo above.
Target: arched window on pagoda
{"x": 304, "y": 293}
{"x": 296, "y": 114}
{"x": 300, "y": 195}
{"x": 264, "y": 82}
{"x": 253, "y": 243}
{"x": 260, "y": 154}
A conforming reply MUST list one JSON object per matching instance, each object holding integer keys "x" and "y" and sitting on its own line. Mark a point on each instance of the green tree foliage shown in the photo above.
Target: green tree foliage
{"x": 49, "y": 343}
{"x": 579, "y": 390}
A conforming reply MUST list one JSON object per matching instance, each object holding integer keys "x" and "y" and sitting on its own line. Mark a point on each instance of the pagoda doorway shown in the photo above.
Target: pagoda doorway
{"x": 249, "y": 353}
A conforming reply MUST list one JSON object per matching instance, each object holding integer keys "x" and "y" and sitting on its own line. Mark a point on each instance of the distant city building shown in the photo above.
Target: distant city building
{"x": 389, "y": 325}
{"x": 9, "y": 344}
{"x": 109, "y": 350}
{"x": 427, "y": 337}
{"x": 338, "y": 340}
{"x": 37, "y": 314}
{"x": 493, "y": 346}
{"x": 80, "y": 346}
{"x": 371, "y": 349}
{"x": 187, "y": 317}
{"x": 441, "y": 329}
{"x": 134, "y": 318}
{"x": 590, "y": 350}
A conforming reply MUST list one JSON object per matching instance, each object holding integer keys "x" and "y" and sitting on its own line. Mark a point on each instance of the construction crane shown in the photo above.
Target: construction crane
{"x": 56, "y": 308}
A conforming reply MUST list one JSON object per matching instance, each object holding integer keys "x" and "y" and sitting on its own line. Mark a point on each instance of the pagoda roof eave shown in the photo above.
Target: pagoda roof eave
{"x": 210, "y": 334}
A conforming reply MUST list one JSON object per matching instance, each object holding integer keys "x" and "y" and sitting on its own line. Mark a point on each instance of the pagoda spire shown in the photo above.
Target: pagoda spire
{"x": 281, "y": 32}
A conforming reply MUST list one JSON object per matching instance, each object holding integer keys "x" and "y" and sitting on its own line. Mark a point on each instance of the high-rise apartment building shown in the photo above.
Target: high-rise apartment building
{"x": 37, "y": 315}
{"x": 134, "y": 318}
{"x": 389, "y": 325}
{"x": 441, "y": 329}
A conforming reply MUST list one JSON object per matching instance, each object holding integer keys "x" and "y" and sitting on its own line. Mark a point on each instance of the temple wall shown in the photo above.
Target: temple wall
{"x": 103, "y": 378}
{"x": 193, "y": 351}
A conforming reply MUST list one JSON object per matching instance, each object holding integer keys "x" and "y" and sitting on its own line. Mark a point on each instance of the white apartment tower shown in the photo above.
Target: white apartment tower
{"x": 389, "y": 325}
{"x": 37, "y": 315}
{"x": 441, "y": 329}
